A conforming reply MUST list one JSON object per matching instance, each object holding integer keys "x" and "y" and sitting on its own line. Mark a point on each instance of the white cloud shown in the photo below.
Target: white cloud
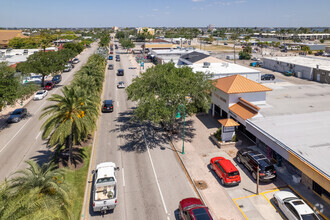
{"x": 197, "y": 0}
{"x": 155, "y": 9}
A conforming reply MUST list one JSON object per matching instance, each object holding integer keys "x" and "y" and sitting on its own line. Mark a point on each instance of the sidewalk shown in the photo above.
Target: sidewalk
{"x": 198, "y": 151}
{"x": 195, "y": 160}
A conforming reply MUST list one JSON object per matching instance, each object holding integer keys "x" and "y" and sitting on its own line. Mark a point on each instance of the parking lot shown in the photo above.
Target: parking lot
{"x": 251, "y": 205}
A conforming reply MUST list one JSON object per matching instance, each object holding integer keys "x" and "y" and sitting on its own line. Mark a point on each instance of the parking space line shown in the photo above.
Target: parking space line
{"x": 245, "y": 197}
{"x": 240, "y": 210}
{"x": 263, "y": 194}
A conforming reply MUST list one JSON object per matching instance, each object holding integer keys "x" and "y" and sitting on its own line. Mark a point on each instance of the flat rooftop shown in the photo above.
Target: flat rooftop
{"x": 299, "y": 117}
{"x": 223, "y": 68}
{"x": 324, "y": 63}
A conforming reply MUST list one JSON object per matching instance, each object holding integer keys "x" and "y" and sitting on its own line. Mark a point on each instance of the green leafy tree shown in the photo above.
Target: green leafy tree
{"x": 8, "y": 85}
{"x": 76, "y": 47}
{"x": 104, "y": 40}
{"x": 42, "y": 63}
{"x": 126, "y": 43}
{"x": 120, "y": 34}
{"x": 322, "y": 41}
{"x": 72, "y": 118}
{"x": 163, "y": 87}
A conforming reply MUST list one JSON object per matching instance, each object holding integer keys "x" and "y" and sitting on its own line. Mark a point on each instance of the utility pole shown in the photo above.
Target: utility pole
{"x": 234, "y": 52}
{"x": 258, "y": 180}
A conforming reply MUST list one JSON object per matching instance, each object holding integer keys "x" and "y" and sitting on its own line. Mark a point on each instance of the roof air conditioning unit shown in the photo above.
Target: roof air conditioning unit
{"x": 206, "y": 65}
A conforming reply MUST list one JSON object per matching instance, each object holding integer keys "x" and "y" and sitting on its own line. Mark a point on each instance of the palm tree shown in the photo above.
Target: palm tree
{"x": 35, "y": 190}
{"x": 72, "y": 118}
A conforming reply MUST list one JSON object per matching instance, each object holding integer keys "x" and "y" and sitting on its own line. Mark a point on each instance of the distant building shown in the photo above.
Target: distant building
{"x": 7, "y": 35}
{"x": 170, "y": 55}
{"x": 14, "y": 56}
{"x": 317, "y": 69}
{"x": 210, "y": 27}
{"x": 140, "y": 30}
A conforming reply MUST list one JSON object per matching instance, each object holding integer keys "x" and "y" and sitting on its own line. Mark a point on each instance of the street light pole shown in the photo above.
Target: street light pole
{"x": 181, "y": 108}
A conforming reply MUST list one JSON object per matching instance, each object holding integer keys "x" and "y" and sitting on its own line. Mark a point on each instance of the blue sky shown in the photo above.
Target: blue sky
{"x": 173, "y": 13}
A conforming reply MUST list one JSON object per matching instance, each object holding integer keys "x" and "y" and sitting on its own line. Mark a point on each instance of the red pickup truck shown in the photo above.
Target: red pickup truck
{"x": 193, "y": 208}
{"x": 227, "y": 172}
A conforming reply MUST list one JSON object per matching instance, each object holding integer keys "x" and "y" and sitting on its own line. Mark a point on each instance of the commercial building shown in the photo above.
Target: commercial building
{"x": 150, "y": 31}
{"x": 7, "y": 35}
{"x": 171, "y": 55}
{"x": 13, "y": 56}
{"x": 317, "y": 69}
{"x": 289, "y": 123}
{"x": 201, "y": 62}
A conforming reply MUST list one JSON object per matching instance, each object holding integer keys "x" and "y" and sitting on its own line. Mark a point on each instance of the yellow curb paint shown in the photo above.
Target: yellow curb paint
{"x": 274, "y": 190}
{"x": 240, "y": 210}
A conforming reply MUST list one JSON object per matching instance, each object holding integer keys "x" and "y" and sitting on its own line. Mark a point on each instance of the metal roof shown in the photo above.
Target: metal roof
{"x": 239, "y": 84}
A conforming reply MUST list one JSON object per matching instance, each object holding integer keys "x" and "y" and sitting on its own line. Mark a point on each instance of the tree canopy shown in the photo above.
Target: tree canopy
{"x": 43, "y": 63}
{"x": 126, "y": 43}
{"x": 162, "y": 88}
{"x": 8, "y": 85}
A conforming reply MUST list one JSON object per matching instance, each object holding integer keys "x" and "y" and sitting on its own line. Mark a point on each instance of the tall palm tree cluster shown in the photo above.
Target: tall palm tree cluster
{"x": 73, "y": 115}
{"x": 40, "y": 191}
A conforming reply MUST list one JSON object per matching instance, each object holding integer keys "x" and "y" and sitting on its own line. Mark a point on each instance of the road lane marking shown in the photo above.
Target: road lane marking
{"x": 123, "y": 176}
{"x": 15, "y": 135}
{"x": 38, "y": 135}
{"x": 153, "y": 169}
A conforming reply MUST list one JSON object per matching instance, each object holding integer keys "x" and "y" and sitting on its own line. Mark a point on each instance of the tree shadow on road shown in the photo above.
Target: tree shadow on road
{"x": 138, "y": 136}
{"x": 189, "y": 131}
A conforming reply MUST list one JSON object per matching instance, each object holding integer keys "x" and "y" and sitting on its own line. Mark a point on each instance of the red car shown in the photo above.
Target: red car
{"x": 193, "y": 208}
{"x": 49, "y": 85}
{"x": 227, "y": 172}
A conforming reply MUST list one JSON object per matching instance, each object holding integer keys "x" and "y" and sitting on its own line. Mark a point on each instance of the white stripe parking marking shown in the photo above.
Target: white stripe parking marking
{"x": 153, "y": 168}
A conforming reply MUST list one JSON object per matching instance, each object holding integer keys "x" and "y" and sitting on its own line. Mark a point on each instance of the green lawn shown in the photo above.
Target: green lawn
{"x": 76, "y": 179}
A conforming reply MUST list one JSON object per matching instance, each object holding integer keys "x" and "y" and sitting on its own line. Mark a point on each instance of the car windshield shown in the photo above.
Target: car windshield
{"x": 311, "y": 216}
{"x": 105, "y": 180}
{"x": 48, "y": 84}
{"x": 268, "y": 168}
{"x": 40, "y": 93}
{"x": 201, "y": 214}
{"x": 17, "y": 112}
{"x": 235, "y": 173}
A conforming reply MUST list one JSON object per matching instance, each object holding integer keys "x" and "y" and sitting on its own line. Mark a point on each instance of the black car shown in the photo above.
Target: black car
{"x": 268, "y": 77}
{"x": 251, "y": 159}
{"x": 110, "y": 67}
{"x": 57, "y": 79}
{"x": 17, "y": 115}
{"x": 120, "y": 72}
{"x": 116, "y": 46}
{"x": 117, "y": 58}
{"x": 107, "y": 106}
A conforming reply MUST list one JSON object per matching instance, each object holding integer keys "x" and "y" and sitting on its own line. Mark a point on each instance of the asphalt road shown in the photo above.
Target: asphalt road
{"x": 22, "y": 141}
{"x": 151, "y": 181}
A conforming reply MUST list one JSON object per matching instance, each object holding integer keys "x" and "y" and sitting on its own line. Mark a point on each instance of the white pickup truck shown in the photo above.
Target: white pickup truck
{"x": 105, "y": 187}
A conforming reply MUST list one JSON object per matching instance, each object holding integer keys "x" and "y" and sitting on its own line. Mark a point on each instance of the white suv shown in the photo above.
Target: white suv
{"x": 293, "y": 207}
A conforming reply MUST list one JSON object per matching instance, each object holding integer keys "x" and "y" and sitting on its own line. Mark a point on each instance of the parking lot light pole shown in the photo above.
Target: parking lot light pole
{"x": 181, "y": 108}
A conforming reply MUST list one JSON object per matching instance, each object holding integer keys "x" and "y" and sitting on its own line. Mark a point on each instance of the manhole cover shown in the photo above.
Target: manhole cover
{"x": 200, "y": 184}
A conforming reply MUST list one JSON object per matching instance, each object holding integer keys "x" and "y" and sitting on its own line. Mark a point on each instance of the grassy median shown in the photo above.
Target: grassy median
{"x": 76, "y": 180}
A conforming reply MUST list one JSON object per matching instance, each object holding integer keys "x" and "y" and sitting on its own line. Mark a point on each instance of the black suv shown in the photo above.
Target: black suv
{"x": 110, "y": 67}
{"x": 120, "y": 72}
{"x": 251, "y": 159}
{"x": 107, "y": 106}
{"x": 117, "y": 58}
{"x": 268, "y": 77}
